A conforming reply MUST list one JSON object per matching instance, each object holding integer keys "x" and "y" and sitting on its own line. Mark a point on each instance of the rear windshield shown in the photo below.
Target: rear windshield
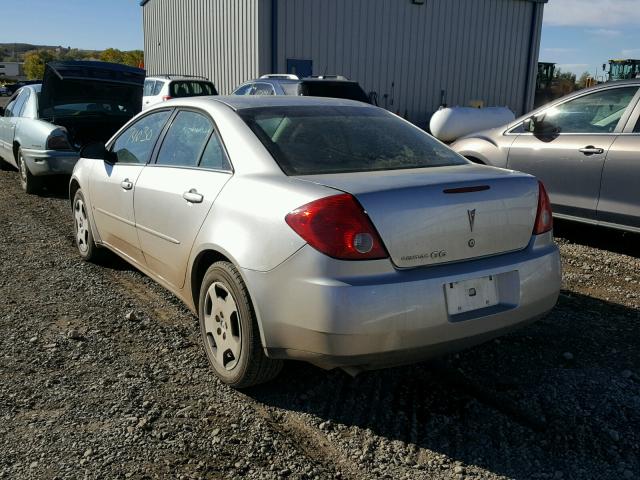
{"x": 306, "y": 140}
{"x": 348, "y": 90}
{"x": 190, "y": 88}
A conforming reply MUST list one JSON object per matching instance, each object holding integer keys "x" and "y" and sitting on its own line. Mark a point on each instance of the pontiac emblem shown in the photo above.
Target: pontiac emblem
{"x": 472, "y": 218}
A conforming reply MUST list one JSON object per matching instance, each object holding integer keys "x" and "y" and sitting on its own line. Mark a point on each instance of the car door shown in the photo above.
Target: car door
{"x": 619, "y": 201}
{"x": 570, "y": 145}
{"x": 4, "y": 123}
{"x": 113, "y": 185}
{"x": 175, "y": 193}
{"x": 10, "y": 122}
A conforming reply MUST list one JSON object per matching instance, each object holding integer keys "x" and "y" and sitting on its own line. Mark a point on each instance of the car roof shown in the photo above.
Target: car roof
{"x": 241, "y": 102}
{"x": 301, "y": 80}
{"x": 172, "y": 78}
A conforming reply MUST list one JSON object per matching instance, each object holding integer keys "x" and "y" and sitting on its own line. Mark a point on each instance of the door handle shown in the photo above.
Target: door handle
{"x": 591, "y": 150}
{"x": 126, "y": 184}
{"x": 192, "y": 196}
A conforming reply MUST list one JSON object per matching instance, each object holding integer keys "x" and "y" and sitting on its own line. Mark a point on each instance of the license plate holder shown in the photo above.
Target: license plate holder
{"x": 472, "y": 294}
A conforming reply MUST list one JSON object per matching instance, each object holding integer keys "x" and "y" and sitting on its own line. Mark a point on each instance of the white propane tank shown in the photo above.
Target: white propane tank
{"x": 451, "y": 123}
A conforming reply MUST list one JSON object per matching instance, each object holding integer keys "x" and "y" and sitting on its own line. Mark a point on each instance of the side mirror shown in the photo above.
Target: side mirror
{"x": 97, "y": 151}
{"x": 538, "y": 126}
{"x": 529, "y": 125}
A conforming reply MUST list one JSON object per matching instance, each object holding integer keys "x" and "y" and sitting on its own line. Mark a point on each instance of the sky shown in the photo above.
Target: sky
{"x": 84, "y": 24}
{"x": 581, "y": 35}
{"x": 578, "y": 35}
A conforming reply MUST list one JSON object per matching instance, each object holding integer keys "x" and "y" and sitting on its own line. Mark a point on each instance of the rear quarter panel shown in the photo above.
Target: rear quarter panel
{"x": 247, "y": 220}
{"x": 33, "y": 133}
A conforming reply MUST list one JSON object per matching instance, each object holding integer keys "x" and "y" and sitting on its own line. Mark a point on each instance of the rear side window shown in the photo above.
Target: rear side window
{"x": 306, "y": 140}
{"x": 347, "y": 90}
{"x": 16, "y": 108}
{"x": 191, "y": 89}
{"x": 136, "y": 143}
{"x": 148, "y": 88}
{"x": 214, "y": 156}
{"x": 185, "y": 140}
{"x": 26, "y": 94}
{"x": 157, "y": 88}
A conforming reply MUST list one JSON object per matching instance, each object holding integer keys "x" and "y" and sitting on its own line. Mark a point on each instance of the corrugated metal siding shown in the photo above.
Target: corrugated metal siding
{"x": 407, "y": 54}
{"x": 214, "y": 38}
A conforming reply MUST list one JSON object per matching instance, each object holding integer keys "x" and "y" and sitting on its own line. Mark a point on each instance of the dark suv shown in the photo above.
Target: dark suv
{"x": 334, "y": 86}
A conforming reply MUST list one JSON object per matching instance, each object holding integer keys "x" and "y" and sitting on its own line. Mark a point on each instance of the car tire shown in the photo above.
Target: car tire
{"x": 87, "y": 247}
{"x": 4, "y": 165}
{"x": 30, "y": 184}
{"x": 229, "y": 330}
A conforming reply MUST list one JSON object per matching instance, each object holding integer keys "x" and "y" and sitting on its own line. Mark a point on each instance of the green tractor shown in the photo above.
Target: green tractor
{"x": 623, "y": 69}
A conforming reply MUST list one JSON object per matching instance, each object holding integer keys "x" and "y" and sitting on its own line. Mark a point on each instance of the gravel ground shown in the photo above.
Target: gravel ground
{"x": 102, "y": 376}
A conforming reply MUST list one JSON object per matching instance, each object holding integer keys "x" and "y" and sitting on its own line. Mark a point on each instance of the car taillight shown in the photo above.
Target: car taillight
{"x": 544, "y": 216}
{"x": 166, "y": 97}
{"x": 58, "y": 142}
{"x": 338, "y": 227}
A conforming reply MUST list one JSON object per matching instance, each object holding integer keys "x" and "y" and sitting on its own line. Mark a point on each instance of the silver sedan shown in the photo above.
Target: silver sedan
{"x": 584, "y": 147}
{"x": 316, "y": 229}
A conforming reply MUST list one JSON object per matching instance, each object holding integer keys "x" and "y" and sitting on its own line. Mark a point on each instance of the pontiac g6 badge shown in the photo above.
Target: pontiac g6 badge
{"x": 472, "y": 217}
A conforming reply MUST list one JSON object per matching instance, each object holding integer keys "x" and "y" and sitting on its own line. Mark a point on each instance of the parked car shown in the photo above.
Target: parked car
{"x": 584, "y": 147}
{"x": 316, "y": 229}
{"x": 165, "y": 87}
{"x": 44, "y": 126}
{"x": 334, "y": 86}
{"x": 4, "y": 91}
{"x": 13, "y": 87}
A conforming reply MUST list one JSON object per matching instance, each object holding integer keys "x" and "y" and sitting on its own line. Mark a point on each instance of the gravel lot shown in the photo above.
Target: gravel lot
{"x": 102, "y": 376}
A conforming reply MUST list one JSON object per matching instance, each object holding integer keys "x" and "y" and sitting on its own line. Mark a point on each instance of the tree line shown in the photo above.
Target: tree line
{"x": 35, "y": 60}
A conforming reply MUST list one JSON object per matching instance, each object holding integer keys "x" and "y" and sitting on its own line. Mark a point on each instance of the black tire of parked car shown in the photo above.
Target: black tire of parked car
{"x": 253, "y": 367}
{"x": 30, "y": 183}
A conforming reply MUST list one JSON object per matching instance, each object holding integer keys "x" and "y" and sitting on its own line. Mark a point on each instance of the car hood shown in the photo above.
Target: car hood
{"x": 66, "y": 83}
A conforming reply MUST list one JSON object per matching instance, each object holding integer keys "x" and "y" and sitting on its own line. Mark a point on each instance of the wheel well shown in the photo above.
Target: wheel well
{"x": 202, "y": 262}
{"x": 73, "y": 188}
{"x": 475, "y": 160}
{"x": 16, "y": 147}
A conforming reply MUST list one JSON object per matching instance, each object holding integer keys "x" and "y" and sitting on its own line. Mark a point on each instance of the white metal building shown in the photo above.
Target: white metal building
{"x": 413, "y": 54}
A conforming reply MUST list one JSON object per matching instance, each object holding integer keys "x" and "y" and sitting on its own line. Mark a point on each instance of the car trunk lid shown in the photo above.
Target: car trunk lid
{"x": 75, "y": 82}
{"x": 444, "y": 214}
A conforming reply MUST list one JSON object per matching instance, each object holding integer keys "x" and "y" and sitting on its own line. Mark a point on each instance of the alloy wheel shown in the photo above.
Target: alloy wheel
{"x": 222, "y": 326}
{"x": 82, "y": 226}
{"x": 23, "y": 170}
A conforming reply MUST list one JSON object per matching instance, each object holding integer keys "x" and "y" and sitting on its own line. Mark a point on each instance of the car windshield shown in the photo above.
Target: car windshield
{"x": 191, "y": 89}
{"x": 306, "y": 140}
{"x": 341, "y": 89}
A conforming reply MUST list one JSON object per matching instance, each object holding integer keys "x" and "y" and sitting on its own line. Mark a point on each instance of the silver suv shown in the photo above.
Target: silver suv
{"x": 164, "y": 87}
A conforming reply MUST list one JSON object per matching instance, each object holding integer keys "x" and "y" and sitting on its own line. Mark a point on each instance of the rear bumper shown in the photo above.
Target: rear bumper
{"x": 369, "y": 315}
{"x": 49, "y": 162}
